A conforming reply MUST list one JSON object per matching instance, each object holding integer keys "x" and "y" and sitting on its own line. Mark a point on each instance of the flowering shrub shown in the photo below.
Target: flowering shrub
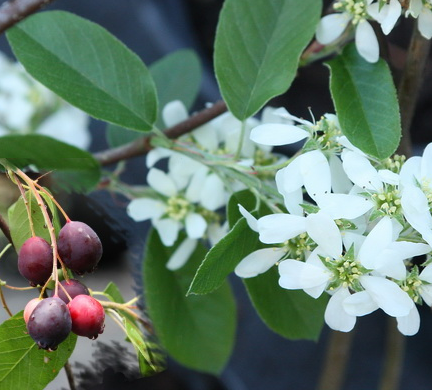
{"x": 335, "y": 230}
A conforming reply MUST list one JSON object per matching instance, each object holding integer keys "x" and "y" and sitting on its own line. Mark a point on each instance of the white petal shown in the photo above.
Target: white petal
{"x": 195, "y": 225}
{"x": 390, "y": 263}
{"x": 315, "y": 292}
{"x": 350, "y": 238}
{"x": 344, "y": 206}
{"x": 179, "y": 164}
{"x": 426, "y": 293}
{"x": 258, "y": 262}
{"x": 409, "y": 325}
{"x": 155, "y": 155}
{"x": 388, "y": 295}
{"x": 142, "y": 209}
{"x": 293, "y": 200}
{"x": 410, "y": 171}
{"x": 340, "y": 182}
{"x": 194, "y": 189}
{"x": 324, "y": 231}
{"x": 213, "y": 194}
{"x": 425, "y": 23}
{"x": 277, "y": 134}
{"x": 415, "y": 7}
{"x": 360, "y": 171}
{"x": 406, "y": 249}
{"x": 278, "y": 228}
{"x": 426, "y": 164}
{"x": 206, "y": 136}
{"x": 389, "y": 177}
{"x": 331, "y": 27}
{"x": 182, "y": 254}
{"x": 168, "y": 230}
{"x": 377, "y": 240}
{"x": 296, "y": 275}
{"x": 161, "y": 182}
{"x": 335, "y": 316}
{"x": 174, "y": 112}
{"x": 346, "y": 143}
{"x": 393, "y": 13}
{"x": 316, "y": 174}
{"x": 359, "y": 304}
{"x": 290, "y": 178}
{"x": 367, "y": 42}
{"x": 426, "y": 274}
{"x": 216, "y": 232}
{"x": 250, "y": 219}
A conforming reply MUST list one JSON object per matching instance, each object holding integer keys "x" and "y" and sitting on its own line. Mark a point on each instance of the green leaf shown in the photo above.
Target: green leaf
{"x": 197, "y": 331}
{"x": 22, "y": 364}
{"x": 257, "y": 49}
{"x": 366, "y": 103}
{"x": 221, "y": 260}
{"x": 246, "y": 198}
{"x": 87, "y": 66}
{"x": 75, "y": 169}
{"x": 113, "y": 292}
{"x": 291, "y": 313}
{"x": 118, "y": 136}
{"x": 177, "y": 77}
{"x": 150, "y": 360}
{"x": 19, "y": 222}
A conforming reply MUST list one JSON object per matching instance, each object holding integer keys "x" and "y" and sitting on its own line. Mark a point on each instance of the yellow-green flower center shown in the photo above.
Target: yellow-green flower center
{"x": 356, "y": 8}
{"x": 178, "y": 207}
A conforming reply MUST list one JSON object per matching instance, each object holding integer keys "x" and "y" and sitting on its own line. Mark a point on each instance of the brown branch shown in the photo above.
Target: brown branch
{"x": 336, "y": 360}
{"x": 4, "y": 227}
{"x": 143, "y": 145}
{"x": 69, "y": 375}
{"x": 12, "y": 11}
{"x": 394, "y": 357}
{"x": 410, "y": 84}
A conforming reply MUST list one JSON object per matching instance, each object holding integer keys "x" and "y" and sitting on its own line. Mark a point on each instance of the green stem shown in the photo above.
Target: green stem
{"x": 69, "y": 375}
{"x": 241, "y": 139}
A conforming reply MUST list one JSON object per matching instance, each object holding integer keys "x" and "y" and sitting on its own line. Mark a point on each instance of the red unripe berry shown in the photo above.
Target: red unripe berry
{"x": 79, "y": 247}
{"x": 88, "y": 316}
{"x": 35, "y": 260}
{"x": 31, "y": 305}
{"x": 73, "y": 287}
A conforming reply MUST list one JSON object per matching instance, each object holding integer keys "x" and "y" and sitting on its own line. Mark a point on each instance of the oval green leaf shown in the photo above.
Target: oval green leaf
{"x": 257, "y": 49}
{"x": 75, "y": 169}
{"x": 197, "y": 331}
{"x": 291, "y": 313}
{"x": 366, "y": 103}
{"x": 177, "y": 77}
{"x": 87, "y": 66}
{"x": 22, "y": 364}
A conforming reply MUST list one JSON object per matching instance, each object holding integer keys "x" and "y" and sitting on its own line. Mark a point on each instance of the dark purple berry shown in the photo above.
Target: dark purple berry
{"x": 73, "y": 288}
{"x": 79, "y": 247}
{"x": 35, "y": 260}
{"x": 88, "y": 316}
{"x": 50, "y": 323}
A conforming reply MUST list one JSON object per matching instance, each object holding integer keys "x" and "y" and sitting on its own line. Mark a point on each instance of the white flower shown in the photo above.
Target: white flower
{"x": 342, "y": 271}
{"x": 169, "y": 213}
{"x": 331, "y": 27}
{"x": 422, "y": 11}
{"x": 386, "y": 15}
{"x": 416, "y": 179}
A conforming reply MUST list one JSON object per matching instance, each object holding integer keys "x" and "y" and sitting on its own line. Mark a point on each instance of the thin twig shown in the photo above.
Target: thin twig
{"x": 69, "y": 375}
{"x": 3, "y": 300}
{"x": 410, "y": 84}
{"x": 393, "y": 359}
{"x": 5, "y": 229}
{"x": 335, "y": 362}
{"x": 143, "y": 145}
{"x": 11, "y": 12}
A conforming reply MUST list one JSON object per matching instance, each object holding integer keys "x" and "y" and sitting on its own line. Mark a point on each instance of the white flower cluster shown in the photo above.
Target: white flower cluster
{"x": 26, "y": 106}
{"x": 189, "y": 194}
{"x": 360, "y": 12}
{"x": 353, "y": 225}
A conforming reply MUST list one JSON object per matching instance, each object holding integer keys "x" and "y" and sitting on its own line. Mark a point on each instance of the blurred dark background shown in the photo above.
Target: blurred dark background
{"x": 261, "y": 359}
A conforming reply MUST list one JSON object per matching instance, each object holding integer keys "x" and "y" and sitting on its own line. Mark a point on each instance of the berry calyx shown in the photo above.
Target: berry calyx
{"x": 88, "y": 316}
{"x": 28, "y": 310}
{"x": 73, "y": 287}
{"x": 35, "y": 260}
{"x": 79, "y": 247}
{"x": 50, "y": 323}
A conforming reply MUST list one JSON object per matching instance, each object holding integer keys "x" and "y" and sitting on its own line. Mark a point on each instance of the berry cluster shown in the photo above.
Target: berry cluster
{"x": 70, "y": 308}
